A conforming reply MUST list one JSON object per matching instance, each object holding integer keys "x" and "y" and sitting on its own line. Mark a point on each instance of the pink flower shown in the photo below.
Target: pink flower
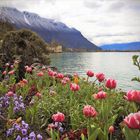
{"x": 10, "y": 94}
{"x": 100, "y": 95}
{"x": 11, "y": 72}
{"x": 74, "y": 87}
{"x": 89, "y": 111}
{"x": 4, "y": 72}
{"x": 38, "y": 94}
{"x": 111, "y": 83}
{"x": 52, "y": 73}
{"x": 67, "y": 79}
{"x": 100, "y": 77}
{"x": 111, "y": 129}
{"x": 133, "y": 120}
{"x": 59, "y": 117}
{"x": 40, "y": 74}
{"x": 64, "y": 82}
{"x": 133, "y": 95}
{"x": 90, "y": 73}
{"x": 28, "y": 69}
{"x": 24, "y": 81}
{"x": 60, "y": 76}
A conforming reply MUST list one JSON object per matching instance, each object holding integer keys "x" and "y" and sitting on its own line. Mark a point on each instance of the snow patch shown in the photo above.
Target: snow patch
{"x": 26, "y": 20}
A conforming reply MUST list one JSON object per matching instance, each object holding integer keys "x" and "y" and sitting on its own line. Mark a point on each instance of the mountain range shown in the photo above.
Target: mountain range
{"x": 133, "y": 46}
{"x": 48, "y": 29}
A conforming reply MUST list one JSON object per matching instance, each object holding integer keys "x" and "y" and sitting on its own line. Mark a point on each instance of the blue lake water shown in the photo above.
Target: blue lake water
{"x": 117, "y": 65}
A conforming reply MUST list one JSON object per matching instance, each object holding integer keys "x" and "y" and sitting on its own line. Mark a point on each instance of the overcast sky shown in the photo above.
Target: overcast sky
{"x": 101, "y": 21}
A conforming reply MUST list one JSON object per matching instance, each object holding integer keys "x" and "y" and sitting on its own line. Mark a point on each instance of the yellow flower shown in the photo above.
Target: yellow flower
{"x": 76, "y": 80}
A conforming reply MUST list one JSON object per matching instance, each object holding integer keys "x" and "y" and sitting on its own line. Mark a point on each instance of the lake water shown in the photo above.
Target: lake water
{"x": 117, "y": 65}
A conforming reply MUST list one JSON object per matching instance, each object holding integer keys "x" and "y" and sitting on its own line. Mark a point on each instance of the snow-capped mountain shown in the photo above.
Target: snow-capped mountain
{"x": 48, "y": 29}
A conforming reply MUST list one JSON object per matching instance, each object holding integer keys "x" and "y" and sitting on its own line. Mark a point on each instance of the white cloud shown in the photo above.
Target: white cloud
{"x": 101, "y": 21}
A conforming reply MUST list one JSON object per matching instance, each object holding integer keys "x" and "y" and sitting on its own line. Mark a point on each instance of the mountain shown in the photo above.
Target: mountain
{"x": 132, "y": 46}
{"x": 48, "y": 29}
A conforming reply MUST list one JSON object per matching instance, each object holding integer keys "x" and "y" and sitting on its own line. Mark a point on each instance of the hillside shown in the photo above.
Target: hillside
{"x": 48, "y": 29}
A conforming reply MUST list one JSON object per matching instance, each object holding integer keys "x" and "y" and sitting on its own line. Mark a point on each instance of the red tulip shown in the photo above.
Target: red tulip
{"x": 111, "y": 129}
{"x": 11, "y": 72}
{"x": 59, "y": 117}
{"x": 90, "y": 73}
{"x": 10, "y": 94}
{"x": 74, "y": 87}
{"x": 100, "y": 77}
{"x": 100, "y": 95}
{"x": 40, "y": 74}
{"x": 60, "y": 76}
{"x": 52, "y": 73}
{"x": 111, "y": 83}
{"x": 89, "y": 111}
{"x": 133, "y": 95}
{"x": 133, "y": 120}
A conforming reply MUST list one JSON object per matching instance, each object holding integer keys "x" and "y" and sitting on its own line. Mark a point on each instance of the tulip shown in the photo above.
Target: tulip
{"x": 38, "y": 94}
{"x": 40, "y": 74}
{"x": 64, "y": 82}
{"x": 59, "y": 117}
{"x": 11, "y": 72}
{"x": 24, "y": 81}
{"x": 133, "y": 120}
{"x": 100, "y": 95}
{"x": 4, "y": 72}
{"x": 111, "y": 83}
{"x": 74, "y": 87}
{"x": 111, "y": 129}
{"x": 28, "y": 69}
{"x": 133, "y": 95}
{"x": 90, "y": 73}
{"x": 89, "y": 111}
{"x": 67, "y": 79}
{"x": 52, "y": 73}
{"x": 10, "y": 94}
{"x": 100, "y": 77}
{"x": 60, "y": 76}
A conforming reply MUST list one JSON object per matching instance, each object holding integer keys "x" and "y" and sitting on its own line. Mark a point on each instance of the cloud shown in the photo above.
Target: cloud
{"x": 101, "y": 21}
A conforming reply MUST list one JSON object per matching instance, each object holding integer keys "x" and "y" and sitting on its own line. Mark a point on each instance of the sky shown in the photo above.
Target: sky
{"x": 100, "y": 21}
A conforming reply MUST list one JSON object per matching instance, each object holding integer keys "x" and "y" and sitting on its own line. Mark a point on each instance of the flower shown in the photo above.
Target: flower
{"x": 32, "y": 136}
{"x": 74, "y": 87}
{"x": 18, "y": 137}
{"x": 100, "y": 77}
{"x": 4, "y": 72}
{"x": 60, "y": 76}
{"x": 133, "y": 120}
{"x": 67, "y": 79}
{"x": 25, "y": 81}
{"x": 39, "y": 137}
{"x": 64, "y": 82}
{"x": 24, "y": 131}
{"x": 38, "y": 94}
{"x": 11, "y": 72}
{"x": 59, "y": 117}
{"x": 28, "y": 69}
{"x": 111, "y": 83}
{"x": 133, "y": 95}
{"x": 10, "y": 94}
{"x": 40, "y": 74}
{"x": 100, "y": 95}
{"x": 90, "y": 73}
{"x": 111, "y": 129}
{"x": 52, "y": 73}
{"x": 89, "y": 111}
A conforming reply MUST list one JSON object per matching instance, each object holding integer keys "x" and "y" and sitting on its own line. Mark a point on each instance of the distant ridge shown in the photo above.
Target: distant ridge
{"x": 48, "y": 29}
{"x": 132, "y": 46}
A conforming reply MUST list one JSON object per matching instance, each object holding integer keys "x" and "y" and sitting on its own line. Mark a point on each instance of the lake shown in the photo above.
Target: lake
{"x": 117, "y": 65}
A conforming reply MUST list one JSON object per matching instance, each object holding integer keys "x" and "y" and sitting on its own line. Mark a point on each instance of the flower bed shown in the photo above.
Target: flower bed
{"x": 49, "y": 105}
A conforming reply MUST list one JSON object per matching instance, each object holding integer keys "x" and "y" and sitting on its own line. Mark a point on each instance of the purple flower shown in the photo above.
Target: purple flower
{"x": 24, "y": 131}
{"x": 17, "y": 127}
{"x": 9, "y": 132}
{"x": 18, "y": 137}
{"x": 39, "y": 137}
{"x": 32, "y": 136}
{"x": 25, "y": 125}
{"x": 25, "y": 138}
{"x": 16, "y": 109}
{"x": 61, "y": 129}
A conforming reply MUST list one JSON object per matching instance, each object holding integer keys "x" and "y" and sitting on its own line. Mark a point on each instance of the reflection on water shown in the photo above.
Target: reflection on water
{"x": 114, "y": 64}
